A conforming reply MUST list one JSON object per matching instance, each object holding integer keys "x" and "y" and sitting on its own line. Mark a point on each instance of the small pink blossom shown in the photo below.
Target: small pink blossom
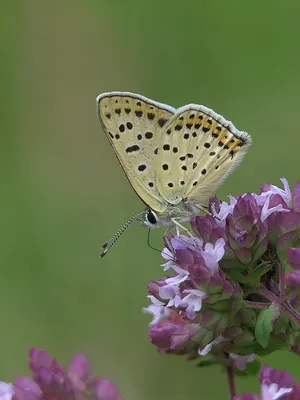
{"x": 157, "y": 310}
{"x": 6, "y": 391}
{"x": 192, "y": 301}
{"x": 209, "y": 346}
{"x": 241, "y": 362}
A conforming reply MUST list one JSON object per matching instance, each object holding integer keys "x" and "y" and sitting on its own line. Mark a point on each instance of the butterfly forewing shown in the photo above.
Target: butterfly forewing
{"x": 134, "y": 125}
{"x": 199, "y": 149}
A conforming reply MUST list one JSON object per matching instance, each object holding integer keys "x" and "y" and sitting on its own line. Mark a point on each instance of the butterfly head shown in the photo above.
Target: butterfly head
{"x": 147, "y": 218}
{"x": 152, "y": 220}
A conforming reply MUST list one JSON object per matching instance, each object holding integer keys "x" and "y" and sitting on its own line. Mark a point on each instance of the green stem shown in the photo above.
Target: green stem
{"x": 284, "y": 305}
{"x": 231, "y": 381}
{"x": 256, "y": 305}
{"x": 282, "y": 283}
{"x": 294, "y": 349}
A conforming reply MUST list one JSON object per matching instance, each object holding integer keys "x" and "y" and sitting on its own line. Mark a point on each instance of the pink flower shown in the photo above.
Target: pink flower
{"x": 51, "y": 381}
{"x": 6, "y": 391}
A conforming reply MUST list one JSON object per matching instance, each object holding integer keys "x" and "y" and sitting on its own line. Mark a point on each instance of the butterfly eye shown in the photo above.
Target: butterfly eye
{"x": 151, "y": 217}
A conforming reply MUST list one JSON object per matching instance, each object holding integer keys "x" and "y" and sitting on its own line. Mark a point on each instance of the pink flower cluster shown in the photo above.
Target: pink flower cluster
{"x": 242, "y": 261}
{"x": 51, "y": 381}
{"x": 275, "y": 385}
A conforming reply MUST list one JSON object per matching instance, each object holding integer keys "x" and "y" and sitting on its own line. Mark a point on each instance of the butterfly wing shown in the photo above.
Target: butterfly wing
{"x": 199, "y": 149}
{"x": 133, "y": 125}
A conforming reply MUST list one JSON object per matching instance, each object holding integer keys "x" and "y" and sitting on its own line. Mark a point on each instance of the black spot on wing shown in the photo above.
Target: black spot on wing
{"x": 133, "y": 148}
{"x": 162, "y": 122}
{"x": 139, "y": 113}
{"x": 148, "y": 135}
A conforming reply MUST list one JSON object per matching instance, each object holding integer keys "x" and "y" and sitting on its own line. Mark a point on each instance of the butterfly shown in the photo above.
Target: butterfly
{"x": 175, "y": 159}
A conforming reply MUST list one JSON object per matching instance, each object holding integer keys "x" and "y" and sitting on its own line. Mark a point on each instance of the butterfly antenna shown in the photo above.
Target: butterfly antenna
{"x": 108, "y": 245}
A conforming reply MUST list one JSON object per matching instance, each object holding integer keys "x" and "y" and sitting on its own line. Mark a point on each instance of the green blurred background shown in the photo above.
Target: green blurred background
{"x": 64, "y": 194}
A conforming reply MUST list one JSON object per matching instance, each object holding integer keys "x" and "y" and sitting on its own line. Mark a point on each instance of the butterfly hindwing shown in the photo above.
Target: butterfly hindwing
{"x": 134, "y": 124}
{"x": 198, "y": 150}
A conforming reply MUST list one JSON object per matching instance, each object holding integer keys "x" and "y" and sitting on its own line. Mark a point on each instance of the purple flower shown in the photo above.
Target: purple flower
{"x": 212, "y": 254}
{"x": 277, "y": 196}
{"x": 240, "y": 362}
{"x": 175, "y": 335}
{"x": 278, "y": 384}
{"x": 293, "y": 281}
{"x": 185, "y": 290}
{"x": 106, "y": 390}
{"x": 296, "y": 198}
{"x": 208, "y": 228}
{"x": 48, "y": 374}
{"x": 27, "y": 389}
{"x": 275, "y": 385}
{"x": 192, "y": 301}
{"x": 6, "y": 391}
{"x": 51, "y": 381}
{"x": 269, "y": 375}
{"x": 158, "y": 310}
{"x": 197, "y": 279}
{"x": 80, "y": 372}
{"x": 154, "y": 286}
{"x": 293, "y": 257}
{"x": 221, "y": 210}
{"x": 230, "y": 280}
{"x": 206, "y": 349}
{"x": 245, "y": 230}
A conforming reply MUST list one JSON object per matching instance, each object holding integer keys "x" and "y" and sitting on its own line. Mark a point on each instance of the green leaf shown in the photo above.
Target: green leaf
{"x": 264, "y": 325}
{"x": 253, "y": 280}
{"x": 236, "y": 275}
{"x": 275, "y": 344}
{"x": 221, "y": 305}
{"x": 249, "y": 317}
{"x": 297, "y": 342}
{"x": 282, "y": 324}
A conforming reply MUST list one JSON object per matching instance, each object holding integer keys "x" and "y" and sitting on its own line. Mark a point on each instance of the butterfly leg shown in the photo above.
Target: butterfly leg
{"x": 205, "y": 209}
{"x": 179, "y": 227}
